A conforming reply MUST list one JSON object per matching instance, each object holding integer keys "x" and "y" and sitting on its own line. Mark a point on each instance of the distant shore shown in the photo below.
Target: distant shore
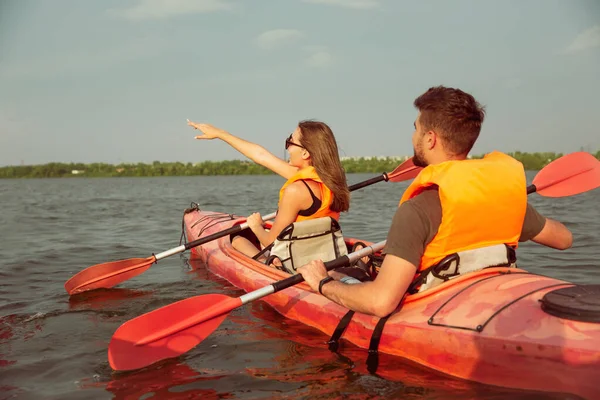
{"x": 531, "y": 161}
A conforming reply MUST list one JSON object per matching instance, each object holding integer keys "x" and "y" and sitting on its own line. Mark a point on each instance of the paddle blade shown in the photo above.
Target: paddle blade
{"x": 125, "y": 354}
{"x": 405, "y": 171}
{"x": 107, "y": 275}
{"x": 569, "y": 175}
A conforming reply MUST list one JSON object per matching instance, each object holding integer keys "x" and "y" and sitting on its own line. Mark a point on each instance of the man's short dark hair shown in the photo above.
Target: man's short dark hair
{"x": 453, "y": 114}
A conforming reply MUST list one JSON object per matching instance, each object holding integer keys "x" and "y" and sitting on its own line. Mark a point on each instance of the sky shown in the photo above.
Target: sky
{"x": 114, "y": 81}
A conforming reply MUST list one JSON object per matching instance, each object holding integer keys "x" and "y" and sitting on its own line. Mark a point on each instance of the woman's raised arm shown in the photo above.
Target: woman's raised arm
{"x": 253, "y": 151}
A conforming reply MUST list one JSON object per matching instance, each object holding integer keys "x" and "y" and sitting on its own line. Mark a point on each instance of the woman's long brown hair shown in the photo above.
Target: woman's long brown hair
{"x": 319, "y": 141}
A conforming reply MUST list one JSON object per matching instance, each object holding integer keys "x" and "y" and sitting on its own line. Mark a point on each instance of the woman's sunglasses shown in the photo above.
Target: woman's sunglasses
{"x": 288, "y": 143}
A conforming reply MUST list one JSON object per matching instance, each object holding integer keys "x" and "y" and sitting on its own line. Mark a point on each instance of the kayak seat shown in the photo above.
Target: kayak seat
{"x": 303, "y": 241}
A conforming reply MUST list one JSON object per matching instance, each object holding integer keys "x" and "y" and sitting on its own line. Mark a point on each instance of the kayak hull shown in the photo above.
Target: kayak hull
{"x": 486, "y": 327}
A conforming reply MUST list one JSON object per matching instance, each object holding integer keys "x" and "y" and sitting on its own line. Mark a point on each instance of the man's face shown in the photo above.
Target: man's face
{"x": 418, "y": 146}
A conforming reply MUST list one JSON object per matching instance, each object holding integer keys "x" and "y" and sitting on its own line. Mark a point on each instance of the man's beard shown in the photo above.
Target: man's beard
{"x": 418, "y": 158}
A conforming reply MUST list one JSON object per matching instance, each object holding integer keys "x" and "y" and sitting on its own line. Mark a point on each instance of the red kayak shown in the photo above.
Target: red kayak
{"x": 499, "y": 326}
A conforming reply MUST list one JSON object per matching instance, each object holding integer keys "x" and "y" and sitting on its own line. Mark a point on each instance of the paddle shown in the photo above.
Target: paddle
{"x": 403, "y": 172}
{"x": 567, "y": 176}
{"x": 112, "y": 273}
{"x": 176, "y": 328}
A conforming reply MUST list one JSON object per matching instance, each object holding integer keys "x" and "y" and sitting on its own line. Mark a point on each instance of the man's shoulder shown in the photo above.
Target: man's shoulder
{"x": 426, "y": 201}
{"x": 414, "y": 225}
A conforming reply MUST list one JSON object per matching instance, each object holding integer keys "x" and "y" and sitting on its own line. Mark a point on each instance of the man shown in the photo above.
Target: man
{"x": 454, "y": 205}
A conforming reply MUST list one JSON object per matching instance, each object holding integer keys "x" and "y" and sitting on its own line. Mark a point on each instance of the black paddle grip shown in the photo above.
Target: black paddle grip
{"x": 531, "y": 189}
{"x": 360, "y": 185}
{"x": 296, "y": 279}
{"x": 220, "y": 234}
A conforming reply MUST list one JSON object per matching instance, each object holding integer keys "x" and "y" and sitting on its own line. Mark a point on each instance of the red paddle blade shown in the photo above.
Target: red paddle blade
{"x": 405, "y": 171}
{"x": 125, "y": 354}
{"x": 569, "y": 175}
{"x": 107, "y": 275}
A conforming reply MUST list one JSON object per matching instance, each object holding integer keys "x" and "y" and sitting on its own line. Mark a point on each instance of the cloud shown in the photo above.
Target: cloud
{"x": 159, "y": 9}
{"x": 585, "y": 40}
{"x": 277, "y": 37}
{"x": 356, "y": 4}
{"x": 319, "y": 57}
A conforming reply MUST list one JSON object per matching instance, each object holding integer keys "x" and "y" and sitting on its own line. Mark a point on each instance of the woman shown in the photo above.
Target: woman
{"x": 315, "y": 187}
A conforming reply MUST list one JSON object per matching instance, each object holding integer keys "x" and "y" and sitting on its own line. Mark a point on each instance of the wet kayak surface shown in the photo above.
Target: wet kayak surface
{"x": 53, "y": 346}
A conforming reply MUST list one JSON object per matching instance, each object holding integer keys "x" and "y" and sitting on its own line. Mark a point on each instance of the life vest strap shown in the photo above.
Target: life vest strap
{"x": 463, "y": 262}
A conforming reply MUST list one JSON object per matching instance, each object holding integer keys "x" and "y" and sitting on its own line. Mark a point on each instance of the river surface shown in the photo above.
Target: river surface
{"x": 55, "y": 347}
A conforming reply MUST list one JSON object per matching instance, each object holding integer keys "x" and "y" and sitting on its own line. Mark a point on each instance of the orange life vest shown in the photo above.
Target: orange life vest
{"x": 310, "y": 173}
{"x": 483, "y": 203}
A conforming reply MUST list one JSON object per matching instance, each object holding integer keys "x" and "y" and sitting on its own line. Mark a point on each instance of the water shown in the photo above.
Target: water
{"x": 55, "y": 347}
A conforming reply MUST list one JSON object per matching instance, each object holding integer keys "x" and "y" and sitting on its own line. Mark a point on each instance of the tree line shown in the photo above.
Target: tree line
{"x": 531, "y": 161}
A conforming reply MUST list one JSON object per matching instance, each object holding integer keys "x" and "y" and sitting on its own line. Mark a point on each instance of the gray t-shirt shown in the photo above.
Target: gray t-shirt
{"x": 417, "y": 221}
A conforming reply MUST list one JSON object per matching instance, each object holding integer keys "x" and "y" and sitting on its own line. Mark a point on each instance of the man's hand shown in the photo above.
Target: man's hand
{"x": 313, "y": 273}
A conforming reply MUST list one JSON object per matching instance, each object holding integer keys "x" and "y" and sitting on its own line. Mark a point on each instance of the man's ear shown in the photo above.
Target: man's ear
{"x": 431, "y": 139}
{"x": 305, "y": 155}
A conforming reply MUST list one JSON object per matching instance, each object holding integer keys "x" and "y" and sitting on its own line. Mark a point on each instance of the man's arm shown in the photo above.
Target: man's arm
{"x": 379, "y": 297}
{"x": 555, "y": 235}
{"x": 408, "y": 235}
{"x": 545, "y": 231}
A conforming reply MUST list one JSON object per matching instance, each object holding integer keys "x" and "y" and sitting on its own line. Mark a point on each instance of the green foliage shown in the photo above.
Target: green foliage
{"x": 531, "y": 161}
{"x": 535, "y": 161}
{"x": 157, "y": 168}
{"x": 371, "y": 164}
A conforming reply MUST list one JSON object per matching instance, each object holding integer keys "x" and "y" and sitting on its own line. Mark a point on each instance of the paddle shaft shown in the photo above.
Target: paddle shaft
{"x": 384, "y": 177}
{"x": 400, "y": 173}
{"x": 329, "y": 265}
{"x": 232, "y": 303}
{"x": 209, "y": 238}
{"x": 360, "y": 185}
